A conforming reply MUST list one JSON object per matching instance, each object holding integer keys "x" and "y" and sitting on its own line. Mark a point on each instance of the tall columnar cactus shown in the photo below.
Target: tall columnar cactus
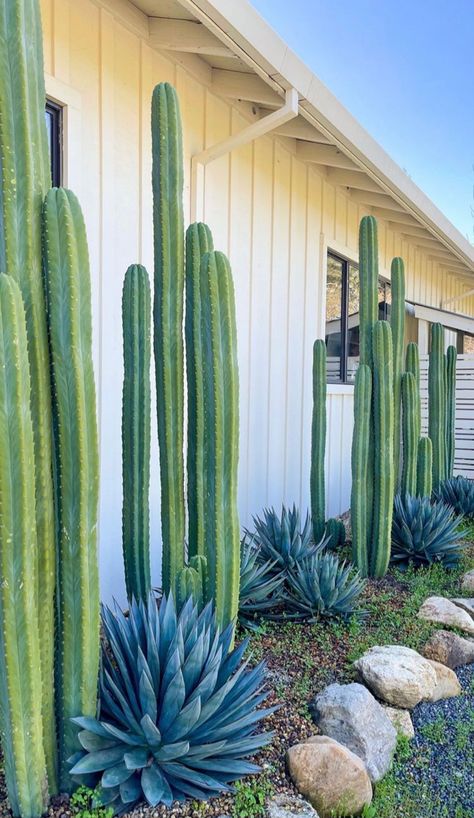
{"x": 397, "y": 323}
{"x": 77, "y": 470}
{"x": 20, "y": 668}
{"x": 24, "y": 180}
{"x": 424, "y": 483}
{"x": 384, "y": 475}
{"x": 168, "y": 221}
{"x": 136, "y": 313}
{"x": 318, "y": 441}
{"x": 198, "y": 242}
{"x": 369, "y": 275}
{"x": 221, "y": 433}
{"x": 360, "y": 471}
{"x": 437, "y": 403}
{"x": 410, "y": 434}
{"x": 451, "y": 357}
{"x": 412, "y": 364}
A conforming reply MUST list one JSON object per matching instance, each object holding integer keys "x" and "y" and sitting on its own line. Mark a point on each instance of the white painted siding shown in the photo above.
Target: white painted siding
{"x": 272, "y": 214}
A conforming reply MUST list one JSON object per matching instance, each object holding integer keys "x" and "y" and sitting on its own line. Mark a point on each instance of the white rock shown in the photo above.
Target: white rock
{"x": 401, "y": 720}
{"x": 467, "y": 582}
{"x": 285, "y": 805}
{"x": 447, "y": 684}
{"x": 466, "y": 603}
{"x": 442, "y": 610}
{"x": 397, "y": 675}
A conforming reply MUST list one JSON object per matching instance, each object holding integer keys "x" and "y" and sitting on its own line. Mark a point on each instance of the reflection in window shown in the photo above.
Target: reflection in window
{"x": 342, "y": 320}
{"x": 53, "y": 114}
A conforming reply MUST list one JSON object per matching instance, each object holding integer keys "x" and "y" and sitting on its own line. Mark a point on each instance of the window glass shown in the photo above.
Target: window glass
{"x": 335, "y": 271}
{"x": 352, "y": 322}
{"x": 385, "y": 299}
{"x": 53, "y": 114}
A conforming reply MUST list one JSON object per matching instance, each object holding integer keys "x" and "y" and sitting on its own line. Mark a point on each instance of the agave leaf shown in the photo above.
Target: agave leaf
{"x": 173, "y": 701}
{"x": 147, "y": 697}
{"x": 150, "y": 731}
{"x": 98, "y": 761}
{"x": 131, "y": 790}
{"x": 155, "y": 787}
{"x": 92, "y": 742}
{"x": 136, "y": 759}
{"x": 115, "y": 776}
{"x": 170, "y": 752}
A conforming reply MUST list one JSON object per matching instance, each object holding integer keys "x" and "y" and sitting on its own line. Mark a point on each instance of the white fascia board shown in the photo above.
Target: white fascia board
{"x": 451, "y": 320}
{"x": 239, "y": 22}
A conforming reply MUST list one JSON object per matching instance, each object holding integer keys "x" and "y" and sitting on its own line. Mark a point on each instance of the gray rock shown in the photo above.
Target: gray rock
{"x": 466, "y": 603}
{"x": 467, "y": 582}
{"x": 449, "y": 649}
{"x": 442, "y": 610}
{"x": 350, "y": 715}
{"x": 397, "y": 675}
{"x": 285, "y": 805}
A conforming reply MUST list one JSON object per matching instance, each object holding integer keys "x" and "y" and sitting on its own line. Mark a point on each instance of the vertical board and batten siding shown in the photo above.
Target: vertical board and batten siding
{"x": 273, "y": 215}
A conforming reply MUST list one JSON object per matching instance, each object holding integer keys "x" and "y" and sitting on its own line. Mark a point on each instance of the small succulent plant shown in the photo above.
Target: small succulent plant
{"x": 457, "y": 492}
{"x": 260, "y": 587}
{"x": 282, "y": 540}
{"x": 323, "y": 586}
{"x": 424, "y": 532}
{"x": 178, "y": 708}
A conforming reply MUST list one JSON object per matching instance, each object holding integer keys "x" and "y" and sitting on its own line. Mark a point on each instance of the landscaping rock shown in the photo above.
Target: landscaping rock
{"x": 449, "y": 649}
{"x": 397, "y": 675}
{"x": 330, "y": 776}
{"x": 401, "y": 720}
{"x": 466, "y": 603}
{"x": 350, "y": 715}
{"x": 447, "y": 682}
{"x": 442, "y": 610}
{"x": 289, "y": 806}
{"x": 467, "y": 582}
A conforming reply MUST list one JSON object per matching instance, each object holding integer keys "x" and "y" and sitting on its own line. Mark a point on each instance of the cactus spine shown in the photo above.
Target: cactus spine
{"x": 412, "y": 364}
{"x": 411, "y": 434}
{"x": 384, "y": 476}
{"x": 360, "y": 462}
{"x": 198, "y": 242}
{"x": 318, "y": 441}
{"x": 424, "y": 483}
{"x": 76, "y": 454}
{"x": 451, "y": 357}
{"x": 136, "y": 311}
{"x": 20, "y": 671}
{"x": 397, "y": 323}
{"x": 369, "y": 276}
{"x": 168, "y": 220}
{"x": 24, "y": 179}
{"x": 437, "y": 403}
{"x": 221, "y": 432}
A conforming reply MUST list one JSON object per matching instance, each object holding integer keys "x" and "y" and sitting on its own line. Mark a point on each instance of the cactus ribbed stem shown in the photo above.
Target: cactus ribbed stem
{"x": 221, "y": 433}
{"x": 198, "y": 242}
{"x": 168, "y": 220}
{"x": 412, "y": 364}
{"x": 76, "y": 453}
{"x": 397, "y": 323}
{"x": 384, "y": 482}
{"x": 360, "y": 474}
{"x": 451, "y": 357}
{"x": 20, "y": 669}
{"x": 424, "y": 483}
{"x": 369, "y": 273}
{"x": 411, "y": 434}
{"x": 437, "y": 403}
{"x": 318, "y": 441}
{"x": 24, "y": 179}
{"x": 136, "y": 314}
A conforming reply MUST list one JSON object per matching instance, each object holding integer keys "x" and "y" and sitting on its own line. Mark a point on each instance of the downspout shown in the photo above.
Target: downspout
{"x": 199, "y": 161}
{"x": 456, "y": 298}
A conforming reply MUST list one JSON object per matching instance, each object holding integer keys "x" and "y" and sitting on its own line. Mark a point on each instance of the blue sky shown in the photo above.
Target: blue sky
{"x": 405, "y": 70}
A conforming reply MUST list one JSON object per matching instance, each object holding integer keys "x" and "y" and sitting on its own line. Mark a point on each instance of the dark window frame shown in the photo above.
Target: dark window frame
{"x": 346, "y": 263}
{"x": 55, "y": 134}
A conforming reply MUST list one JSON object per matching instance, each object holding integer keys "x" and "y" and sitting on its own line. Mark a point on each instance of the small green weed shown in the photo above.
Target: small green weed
{"x": 82, "y": 805}
{"x": 250, "y": 797}
{"x": 434, "y": 730}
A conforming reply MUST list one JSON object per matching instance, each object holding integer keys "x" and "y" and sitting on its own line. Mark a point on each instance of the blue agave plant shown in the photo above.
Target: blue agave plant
{"x": 282, "y": 540}
{"x": 323, "y": 586}
{"x": 424, "y": 532}
{"x": 457, "y": 492}
{"x": 178, "y": 708}
{"x": 260, "y": 588}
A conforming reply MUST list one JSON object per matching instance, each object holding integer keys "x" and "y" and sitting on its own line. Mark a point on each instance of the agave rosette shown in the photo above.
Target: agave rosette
{"x": 323, "y": 586}
{"x": 283, "y": 540}
{"x": 424, "y": 532}
{"x": 260, "y": 587}
{"x": 178, "y": 708}
{"x": 457, "y": 492}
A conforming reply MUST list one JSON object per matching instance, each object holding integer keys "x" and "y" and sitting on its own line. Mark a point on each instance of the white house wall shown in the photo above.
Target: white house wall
{"x": 274, "y": 216}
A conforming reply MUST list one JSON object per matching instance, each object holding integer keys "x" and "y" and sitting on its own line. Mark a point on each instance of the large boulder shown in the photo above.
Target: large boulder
{"x": 401, "y": 720}
{"x": 443, "y": 611}
{"x": 331, "y": 777}
{"x": 449, "y": 649}
{"x": 397, "y": 675}
{"x": 466, "y": 603}
{"x": 467, "y": 582}
{"x": 350, "y": 715}
{"x": 447, "y": 684}
{"x": 285, "y": 805}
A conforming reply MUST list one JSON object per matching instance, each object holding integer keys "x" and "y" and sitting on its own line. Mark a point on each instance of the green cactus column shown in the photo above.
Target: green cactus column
{"x": 24, "y": 180}
{"x": 412, "y": 364}
{"x": 369, "y": 276}
{"x": 384, "y": 476}
{"x": 397, "y": 323}
{"x": 20, "y": 668}
{"x": 221, "y": 433}
{"x": 168, "y": 230}
{"x": 451, "y": 357}
{"x": 198, "y": 242}
{"x": 424, "y": 483}
{"x": 437, "y": 403}
{"x": 136, "y": 313}
{"x": 360, "y": 473}
{"x": 318, "y": 441}
{"x": 76, "y": 451}
{"x": 411, "y": 434}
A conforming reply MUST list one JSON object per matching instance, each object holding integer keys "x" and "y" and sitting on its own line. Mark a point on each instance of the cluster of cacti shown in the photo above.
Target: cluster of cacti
{"x": 373, "y": 440}
{"x": 441, "y": 404}
{"x": 49, "y": 607}
{"x": 210, "y": 567}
